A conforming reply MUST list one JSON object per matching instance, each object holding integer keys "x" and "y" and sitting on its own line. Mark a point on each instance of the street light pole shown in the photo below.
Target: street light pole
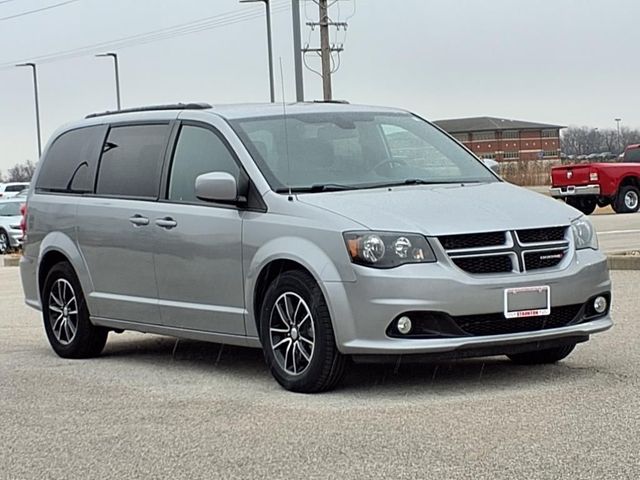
{"x": 618, "y": 120}
{"x": 37, "y": 100}
{"x": 267, "y": 4}
{"x": 117, "y": 72}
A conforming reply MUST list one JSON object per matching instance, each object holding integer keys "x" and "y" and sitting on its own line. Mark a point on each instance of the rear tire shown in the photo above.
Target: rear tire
{"x": 538, "y": 357}
{"x": 586, "y": 205}
{"x": 297, "y": 336}
{"x": 627, "y": 200}
{"x": 66, "y": 316}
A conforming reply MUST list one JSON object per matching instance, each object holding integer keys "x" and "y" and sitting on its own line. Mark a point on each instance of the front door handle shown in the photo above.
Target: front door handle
{"x": 138, "y": 220}
{"x": 166, "y": 222}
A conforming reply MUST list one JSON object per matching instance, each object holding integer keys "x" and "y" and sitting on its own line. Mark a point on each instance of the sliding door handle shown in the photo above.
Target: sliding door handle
{"x": 166, "y": 222}
{"x": 138, "y": 220}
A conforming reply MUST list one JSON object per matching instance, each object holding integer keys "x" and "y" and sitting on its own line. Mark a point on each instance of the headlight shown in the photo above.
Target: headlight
{"x": 584, "y": 234}
{"x": 387, "y": 250}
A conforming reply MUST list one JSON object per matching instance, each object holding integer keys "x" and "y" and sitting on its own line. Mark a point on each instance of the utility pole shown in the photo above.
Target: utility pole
{"x": 325, "y": 49}
{"x": 37, "y": 101}
{"x": 297, "y": 49}
{"x": 618, "y": 120}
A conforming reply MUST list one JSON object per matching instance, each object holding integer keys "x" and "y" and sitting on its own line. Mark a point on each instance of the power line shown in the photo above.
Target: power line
{"x": 187, "y": 28}
{"x": 41, "y": 9}
{"x": 6, "y": 1}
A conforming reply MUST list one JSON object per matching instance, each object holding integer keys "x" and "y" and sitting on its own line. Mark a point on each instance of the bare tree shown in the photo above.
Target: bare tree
{"x": 586, "y": 140}
{"x": 21, "y": 172}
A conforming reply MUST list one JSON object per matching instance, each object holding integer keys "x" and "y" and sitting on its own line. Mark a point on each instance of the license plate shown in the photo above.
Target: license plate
{"x": 527, "y": 302}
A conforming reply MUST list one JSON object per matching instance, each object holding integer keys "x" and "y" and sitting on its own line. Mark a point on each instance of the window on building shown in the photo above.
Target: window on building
{"x": 462, "y": 137}
{"x": 131, "y": 163}
{"x": 549, "y": 133}
{"x": 488, "y": 156}
{"x": 199, "y": 150}
{"x": 479, "y": 136}
{"x": 511, "y": 134}
{"x": 511, "y": 155}
{"x": 551, "y": 153}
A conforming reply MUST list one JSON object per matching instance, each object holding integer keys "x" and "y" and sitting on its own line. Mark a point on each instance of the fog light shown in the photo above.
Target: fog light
{"x": 404, "y": 325}
{"x": 600, "y": 304}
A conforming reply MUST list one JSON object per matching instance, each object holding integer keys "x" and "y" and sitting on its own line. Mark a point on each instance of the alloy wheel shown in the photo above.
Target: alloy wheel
{"x": 292, "y": 333}
{"x": 63, "y": 311}
{"x": 631, "y": 200}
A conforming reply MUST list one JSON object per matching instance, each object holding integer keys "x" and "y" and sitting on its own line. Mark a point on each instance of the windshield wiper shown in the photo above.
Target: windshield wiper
{"x": 418, "y": 181}
{"x": 317, "y": 187}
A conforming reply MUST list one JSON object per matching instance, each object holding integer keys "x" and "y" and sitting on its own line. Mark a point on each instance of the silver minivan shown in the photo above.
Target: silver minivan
{"x": 319, "y": 232}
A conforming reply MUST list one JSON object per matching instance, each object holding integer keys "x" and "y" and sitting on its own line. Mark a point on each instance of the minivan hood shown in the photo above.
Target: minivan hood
{"x": 445, "y": 209}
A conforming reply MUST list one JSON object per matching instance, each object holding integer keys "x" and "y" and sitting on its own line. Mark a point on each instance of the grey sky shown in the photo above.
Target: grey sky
{"x": 560, "y": 61}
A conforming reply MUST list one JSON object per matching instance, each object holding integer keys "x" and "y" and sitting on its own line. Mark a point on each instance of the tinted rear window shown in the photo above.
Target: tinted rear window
{"x": 632, "y": 155}
{"x": 15, "y": 188}
{"x": 131, "y": 163}
{"x": 70, "y": 164}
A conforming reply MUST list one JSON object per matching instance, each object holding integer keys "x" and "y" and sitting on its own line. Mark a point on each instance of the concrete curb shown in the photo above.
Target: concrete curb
{"x": 624, "y": 261}
{"x": 10, "y": 260}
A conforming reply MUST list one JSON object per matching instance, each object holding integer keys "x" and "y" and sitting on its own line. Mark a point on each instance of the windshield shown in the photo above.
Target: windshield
{"x": 322, "y": 151}
{"x": 10, "y": 209}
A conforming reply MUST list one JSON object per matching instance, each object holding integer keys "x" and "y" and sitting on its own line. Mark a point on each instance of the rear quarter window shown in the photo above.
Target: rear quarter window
{"x": 71, "y": 161}
{"x": 632, "y": 155}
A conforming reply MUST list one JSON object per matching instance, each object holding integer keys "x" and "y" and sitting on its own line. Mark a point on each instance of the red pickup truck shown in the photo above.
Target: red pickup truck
{"x": 600, "y": 184}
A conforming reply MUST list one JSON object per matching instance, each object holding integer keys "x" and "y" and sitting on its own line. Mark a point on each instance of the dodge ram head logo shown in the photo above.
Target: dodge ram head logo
{"x": 569, "y": 173}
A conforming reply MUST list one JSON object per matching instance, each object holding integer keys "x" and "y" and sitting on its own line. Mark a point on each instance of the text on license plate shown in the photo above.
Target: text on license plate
{"x": 527, "y": 302}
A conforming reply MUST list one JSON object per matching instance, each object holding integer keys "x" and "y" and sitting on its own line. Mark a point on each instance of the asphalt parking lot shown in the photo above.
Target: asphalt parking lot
{"x": 617, "y": 233}
{"x": 154, "y": 408}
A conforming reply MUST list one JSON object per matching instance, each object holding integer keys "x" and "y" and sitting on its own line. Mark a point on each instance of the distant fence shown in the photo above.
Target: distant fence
{"x": 528, "y": 172}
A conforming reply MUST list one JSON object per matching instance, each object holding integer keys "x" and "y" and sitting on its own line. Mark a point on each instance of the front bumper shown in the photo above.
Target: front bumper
{"x": 572, "y": 191}
{"x": 362, "y": 310}
{"x": 15, "y": 238}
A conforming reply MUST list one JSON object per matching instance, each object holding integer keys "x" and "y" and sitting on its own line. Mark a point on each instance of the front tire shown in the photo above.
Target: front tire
{"x": 627, "y": 200}
{"x": 66, "y": 316}
{"x": 5, "y": 245}
{"x": 297, "y": 336}
{"x": 539, "y": 357}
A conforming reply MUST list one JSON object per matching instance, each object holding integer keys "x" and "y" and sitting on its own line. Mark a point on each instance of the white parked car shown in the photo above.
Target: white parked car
{"x": 11, "y": 189}
{"x": 10, "y": 231}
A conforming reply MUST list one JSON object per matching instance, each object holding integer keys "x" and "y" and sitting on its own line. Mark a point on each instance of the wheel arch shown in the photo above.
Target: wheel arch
{"x": 629, "y": 180}
{"x": 283, "y": 255}
{"x": 58, "y": 247}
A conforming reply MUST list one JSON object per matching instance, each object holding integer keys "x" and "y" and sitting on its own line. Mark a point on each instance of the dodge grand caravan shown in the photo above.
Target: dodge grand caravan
{"x": 318, "y": 232}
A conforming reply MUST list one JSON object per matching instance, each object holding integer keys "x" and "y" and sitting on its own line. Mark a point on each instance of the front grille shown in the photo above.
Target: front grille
{"x": 472, "y": 240}
{"x": 497, "y": 324}
{"x": 485, "y": 264}
{"x": 540, "y": 235}
{"x": 505, "y": 252}
{"x": 545, "y": 259}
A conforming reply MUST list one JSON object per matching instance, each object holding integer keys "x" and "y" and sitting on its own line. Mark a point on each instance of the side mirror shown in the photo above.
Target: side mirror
{"x": 492, "y": 164}
{"x": 217, "y": 187}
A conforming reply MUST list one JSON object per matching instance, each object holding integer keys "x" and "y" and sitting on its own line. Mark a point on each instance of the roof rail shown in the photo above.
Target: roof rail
{"x": 151, "y": 108}
{"x": 331, "y": 101}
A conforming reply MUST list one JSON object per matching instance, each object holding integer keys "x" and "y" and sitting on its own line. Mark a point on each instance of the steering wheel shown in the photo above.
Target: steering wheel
{"x": 389, "y": 161}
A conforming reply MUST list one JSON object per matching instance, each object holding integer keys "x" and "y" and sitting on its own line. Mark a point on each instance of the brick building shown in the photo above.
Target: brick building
{"x": 506, "y": 140}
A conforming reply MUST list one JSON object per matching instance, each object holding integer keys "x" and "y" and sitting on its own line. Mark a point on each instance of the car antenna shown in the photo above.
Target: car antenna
{"x": 286, "y": 133}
